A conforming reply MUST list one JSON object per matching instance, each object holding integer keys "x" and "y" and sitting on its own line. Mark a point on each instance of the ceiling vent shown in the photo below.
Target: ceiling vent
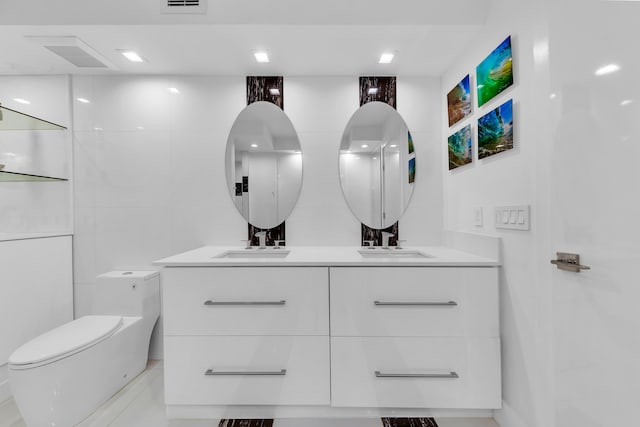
{"x": 184, "y": 6}
{"x": 73, "y": 50}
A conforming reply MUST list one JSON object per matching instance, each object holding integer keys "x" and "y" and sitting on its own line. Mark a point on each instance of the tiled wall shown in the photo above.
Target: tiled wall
{"x": 385, "y": 92}
{"x": 259, "y": 89}
{"x": 150, "y": 178}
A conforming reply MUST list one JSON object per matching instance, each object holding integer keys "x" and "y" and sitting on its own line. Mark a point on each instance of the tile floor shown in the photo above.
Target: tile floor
{"x": 141, "y": 404}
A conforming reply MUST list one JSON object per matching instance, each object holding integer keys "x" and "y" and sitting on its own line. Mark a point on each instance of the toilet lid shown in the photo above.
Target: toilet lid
{"x": 65, "y": 340}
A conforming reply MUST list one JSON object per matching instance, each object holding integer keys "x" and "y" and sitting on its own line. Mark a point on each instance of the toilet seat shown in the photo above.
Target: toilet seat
{"x": 64, "y": 341}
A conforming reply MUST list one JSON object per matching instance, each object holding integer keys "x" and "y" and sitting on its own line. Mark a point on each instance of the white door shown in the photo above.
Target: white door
{"x": 595, "y": 211}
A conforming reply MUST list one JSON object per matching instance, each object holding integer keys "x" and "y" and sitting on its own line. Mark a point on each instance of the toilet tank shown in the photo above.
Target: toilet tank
{"x": 127, "y": 293}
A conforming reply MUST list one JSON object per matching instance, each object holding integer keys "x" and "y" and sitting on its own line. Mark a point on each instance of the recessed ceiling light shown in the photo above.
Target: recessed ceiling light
{"x": 274, "y": 91}
{"x": 386, "y": 58}
{"x": 393, "y": 145}
{"x": 97, "y": 128}
{"x": 173, "y": 90}
{"x": 372, "y": 91}
{"x": 132, "y": 56}
{"x": 140, "y": 127}
{"x": 83, "y": 100}
{"x": 254, "y": 145}
{"x": 364, "y": 146}
{"x": 552, "y": 96}
{"x": 626, "y": 102}
{"x": 261, "y": 56}
{"x": 607, "y": 69}
{"x": 21, "y": 101}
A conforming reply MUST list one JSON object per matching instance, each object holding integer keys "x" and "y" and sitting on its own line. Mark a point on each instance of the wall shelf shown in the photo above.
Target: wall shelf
{"x": 15, "y": 120}
{"x": 6, "y": 176}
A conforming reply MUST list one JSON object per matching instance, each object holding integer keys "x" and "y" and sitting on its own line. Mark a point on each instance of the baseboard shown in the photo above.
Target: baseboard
{"x": 508, "y": 417}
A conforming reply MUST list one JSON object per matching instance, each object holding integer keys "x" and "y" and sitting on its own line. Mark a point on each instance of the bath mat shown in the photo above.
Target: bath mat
{"x": 245, "y": 423}
{"x": 409, "y": 422}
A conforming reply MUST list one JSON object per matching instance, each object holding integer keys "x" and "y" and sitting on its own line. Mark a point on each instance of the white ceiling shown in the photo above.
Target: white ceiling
{"x": 330, "y": 37}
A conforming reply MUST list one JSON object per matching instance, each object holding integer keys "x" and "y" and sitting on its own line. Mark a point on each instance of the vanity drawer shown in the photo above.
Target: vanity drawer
{"x": 246, "y": 301}
{"x": 414, "y": 301}
{"x": 393, "y": 372}
{"x": 247, "y": 370}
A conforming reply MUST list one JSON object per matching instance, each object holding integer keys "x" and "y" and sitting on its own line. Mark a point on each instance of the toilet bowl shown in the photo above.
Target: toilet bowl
{"x": 62, "y": 376}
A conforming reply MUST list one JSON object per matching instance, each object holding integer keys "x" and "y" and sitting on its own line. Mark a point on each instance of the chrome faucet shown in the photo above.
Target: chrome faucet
{"x": 385, "y": 239}
{"x": 262, "y": 239}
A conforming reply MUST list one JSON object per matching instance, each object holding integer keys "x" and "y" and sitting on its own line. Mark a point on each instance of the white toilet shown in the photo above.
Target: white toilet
{"x": 62, "y": 376}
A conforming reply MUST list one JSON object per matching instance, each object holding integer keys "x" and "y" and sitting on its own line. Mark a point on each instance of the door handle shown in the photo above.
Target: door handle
{"x": 569, "y": 262}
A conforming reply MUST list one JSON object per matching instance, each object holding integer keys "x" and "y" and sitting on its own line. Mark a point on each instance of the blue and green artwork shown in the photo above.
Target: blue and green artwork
{"x": 459, "y": 101}
{"x": 460, "y": 151}
{"x": 412, "y": 170}
{"x": 495, "y": 73}
{"x": 410, "y": 142}
{"x": 495, "y": 131}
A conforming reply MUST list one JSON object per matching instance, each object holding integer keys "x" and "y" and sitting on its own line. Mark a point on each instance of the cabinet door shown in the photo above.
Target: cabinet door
{"x": 246, "y": 301}
{"x": 415, "y": 372}
{"x": 414, "y": 301}
{"x": 228, "y": 370}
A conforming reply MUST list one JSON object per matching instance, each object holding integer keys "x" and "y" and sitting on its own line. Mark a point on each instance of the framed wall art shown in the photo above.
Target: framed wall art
{"x": 495, "y": 73}
{"x": 459, "y": 101}
{"x": 495, "y": 131}
{"x": 460, "y": 148}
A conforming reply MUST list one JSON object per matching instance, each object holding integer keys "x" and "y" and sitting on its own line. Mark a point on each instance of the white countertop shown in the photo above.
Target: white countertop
{"x": 325, "y": 256}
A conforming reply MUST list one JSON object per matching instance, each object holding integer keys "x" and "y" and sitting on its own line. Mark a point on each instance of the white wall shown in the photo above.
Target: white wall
{"x": 509, "y": 178}
{"x": 144, "y": 194}
{"x": 35, "y": 295}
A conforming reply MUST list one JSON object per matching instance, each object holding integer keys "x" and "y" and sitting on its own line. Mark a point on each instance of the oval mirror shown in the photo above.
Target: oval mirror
{"x": 263, "y": 165}
{"x": 377, "y": 165}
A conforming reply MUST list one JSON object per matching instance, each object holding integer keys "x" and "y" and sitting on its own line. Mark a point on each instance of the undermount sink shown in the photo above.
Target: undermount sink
{"x": 255, "y": 253}
{"x": 392, "y": 253}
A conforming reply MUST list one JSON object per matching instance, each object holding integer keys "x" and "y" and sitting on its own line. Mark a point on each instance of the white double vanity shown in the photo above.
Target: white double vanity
{"x": 330, "y": 331}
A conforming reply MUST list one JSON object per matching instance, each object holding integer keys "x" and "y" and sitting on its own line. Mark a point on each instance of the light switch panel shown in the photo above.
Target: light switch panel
{"x": 477, "y": 216}
{"x": 513, "y": 217}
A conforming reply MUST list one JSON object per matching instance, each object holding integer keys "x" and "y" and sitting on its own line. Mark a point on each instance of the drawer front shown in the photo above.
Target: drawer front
{"x": 246, "y": 301}
{"x": 416, "y": 372}
{"x": 247, "y": 370}
{"x": 435, "y": 301}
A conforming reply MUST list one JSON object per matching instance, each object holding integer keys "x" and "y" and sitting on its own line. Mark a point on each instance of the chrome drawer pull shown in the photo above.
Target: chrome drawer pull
{"x": 209, "y": 302}
{"x": 451, "y": 374}
{"x": 274, "y": 373}
{"x": 409, "y": 303}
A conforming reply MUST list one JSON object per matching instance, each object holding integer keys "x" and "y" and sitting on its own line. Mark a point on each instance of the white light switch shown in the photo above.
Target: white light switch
{"x": 513, "y": 217}
{"x": 477, "y": 216}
